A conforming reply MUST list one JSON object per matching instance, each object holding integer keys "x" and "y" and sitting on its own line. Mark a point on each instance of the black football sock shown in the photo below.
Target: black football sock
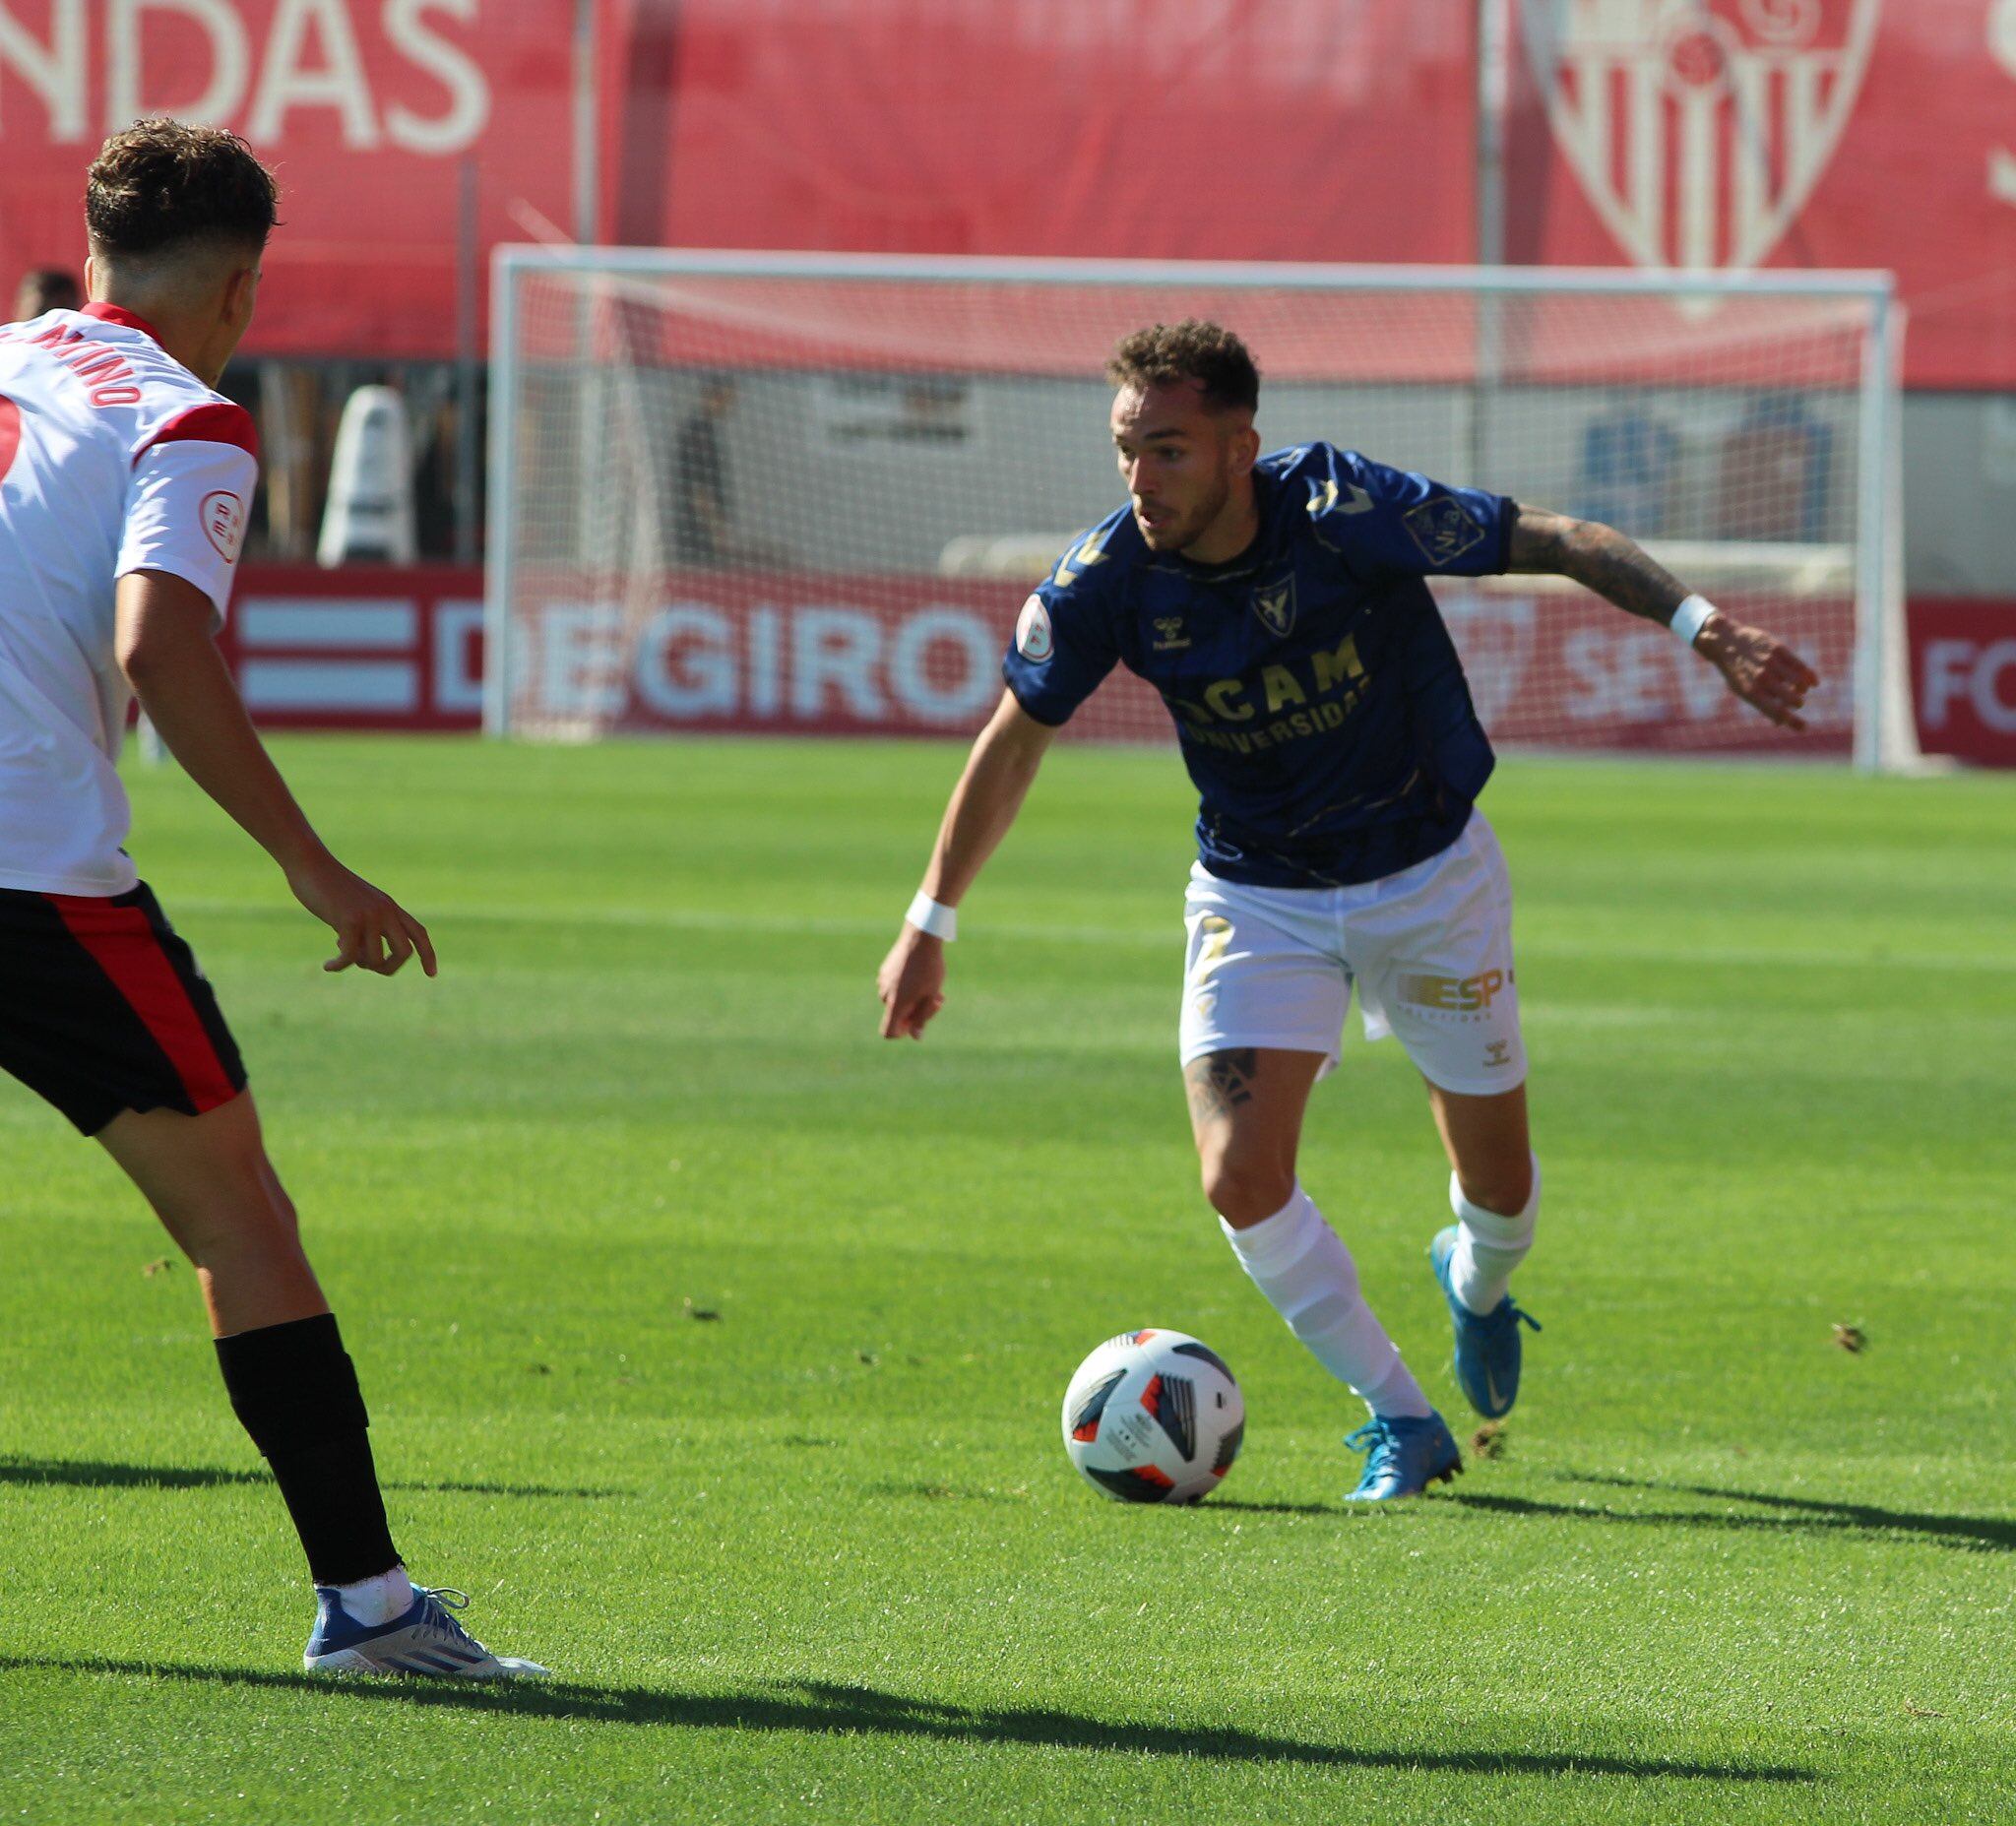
{"x": 295, "y": 1391}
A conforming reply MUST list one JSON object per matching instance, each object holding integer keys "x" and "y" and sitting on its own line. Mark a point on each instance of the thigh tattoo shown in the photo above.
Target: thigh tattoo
{"x": 1220, "y": 1082}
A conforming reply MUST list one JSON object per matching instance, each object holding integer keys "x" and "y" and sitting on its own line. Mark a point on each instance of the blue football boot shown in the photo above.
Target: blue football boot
{"x": 426, "y": 1640}
{"x": 1486, "y": 1344}
{"x": 1403, "y": 1457}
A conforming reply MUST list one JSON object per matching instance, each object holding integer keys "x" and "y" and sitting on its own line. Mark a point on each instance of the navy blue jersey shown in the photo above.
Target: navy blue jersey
{"x": 1322, "y": 712}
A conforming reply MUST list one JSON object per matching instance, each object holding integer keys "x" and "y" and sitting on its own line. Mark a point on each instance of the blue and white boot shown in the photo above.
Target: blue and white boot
{"x": 1403, "y": 1457}
{"x": 426, "y": 1640}
{"x": 1486, "y": 1343}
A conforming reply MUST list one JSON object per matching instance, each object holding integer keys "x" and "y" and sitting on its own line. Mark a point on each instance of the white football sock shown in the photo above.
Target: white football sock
{"x": 1489, "y": 1246}
{"x": 1301, "y": 1264}
{"x": 374, "y": 1603}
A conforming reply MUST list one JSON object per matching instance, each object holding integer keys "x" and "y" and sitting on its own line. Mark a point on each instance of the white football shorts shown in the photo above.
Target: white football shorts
{"x": 1430, "y": 949}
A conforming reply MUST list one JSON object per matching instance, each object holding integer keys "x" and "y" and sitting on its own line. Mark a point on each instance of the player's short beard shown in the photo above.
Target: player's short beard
{"x": 1196, "y": 524}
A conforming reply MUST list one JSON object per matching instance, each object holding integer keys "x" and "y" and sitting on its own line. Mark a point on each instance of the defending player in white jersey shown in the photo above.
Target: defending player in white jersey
{"x": 124, "y": 483}
{"x": 1278, "y": 604}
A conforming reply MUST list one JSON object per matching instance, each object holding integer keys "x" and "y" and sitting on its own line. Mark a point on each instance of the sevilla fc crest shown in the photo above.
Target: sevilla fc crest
{"x": 1698, "y": 128}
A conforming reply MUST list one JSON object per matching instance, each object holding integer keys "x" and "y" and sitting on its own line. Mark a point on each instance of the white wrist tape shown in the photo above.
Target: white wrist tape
{"x": 1692, "y": 617}
{"x": 933, "y": 916}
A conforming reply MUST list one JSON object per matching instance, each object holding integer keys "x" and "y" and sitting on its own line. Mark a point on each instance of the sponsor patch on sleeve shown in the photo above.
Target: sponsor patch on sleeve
{"x": 1033, "y": 637}
{"x": 1442, "y": 528}
{"x": 224, "y": 523}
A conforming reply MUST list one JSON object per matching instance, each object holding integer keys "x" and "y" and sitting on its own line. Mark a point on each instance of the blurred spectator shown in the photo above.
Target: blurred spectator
{"x": 1775, "y": 471}
{"x": 47, "y": 289}
{"x": 1630, "y": 461}
{"x": 701, "y": 522}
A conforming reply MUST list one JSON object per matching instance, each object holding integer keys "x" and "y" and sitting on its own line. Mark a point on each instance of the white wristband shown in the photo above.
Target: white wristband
{"x": 1692, "y": 617}
{"x": 933, "y": 916}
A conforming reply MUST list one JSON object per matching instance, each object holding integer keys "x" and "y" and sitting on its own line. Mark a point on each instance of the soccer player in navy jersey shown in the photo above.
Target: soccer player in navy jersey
{"x": 1277, "y": 603}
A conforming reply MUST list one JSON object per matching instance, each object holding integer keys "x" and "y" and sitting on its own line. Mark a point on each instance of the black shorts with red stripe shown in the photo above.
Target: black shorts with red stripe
{"x": 102, "y": 1008}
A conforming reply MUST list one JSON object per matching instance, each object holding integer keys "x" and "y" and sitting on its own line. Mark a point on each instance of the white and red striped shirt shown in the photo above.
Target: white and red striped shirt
{"x": 113, "y": 458}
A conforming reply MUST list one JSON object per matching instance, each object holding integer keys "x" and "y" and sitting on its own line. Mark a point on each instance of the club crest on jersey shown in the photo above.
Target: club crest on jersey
{"x": 1032, "y": 637}
{"x": 224, "y": 523}
{"x": 1275, "y": 605}
{"x": 1442, "y": 528}
{"x": 1698, "y": 132}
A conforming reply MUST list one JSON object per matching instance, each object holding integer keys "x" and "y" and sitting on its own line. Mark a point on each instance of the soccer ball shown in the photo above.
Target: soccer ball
{"x": 1154, "y": 1416}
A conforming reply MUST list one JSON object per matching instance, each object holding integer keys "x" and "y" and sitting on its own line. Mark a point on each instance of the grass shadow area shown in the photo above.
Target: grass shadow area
{"x": 827, "y": 1707}
{"x": 1974, "y": 1534}
{"x": 110, "y": 1474}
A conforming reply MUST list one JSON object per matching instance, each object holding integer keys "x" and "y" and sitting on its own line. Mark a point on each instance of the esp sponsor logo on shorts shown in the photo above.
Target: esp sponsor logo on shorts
{"x": 1462, "y": 995}
{"x": 224, "y": 523}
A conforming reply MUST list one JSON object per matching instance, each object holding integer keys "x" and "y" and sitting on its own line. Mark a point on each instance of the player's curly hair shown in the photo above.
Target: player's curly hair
{"x": 1164, "y": 354}
{"x": 162, "y": 182}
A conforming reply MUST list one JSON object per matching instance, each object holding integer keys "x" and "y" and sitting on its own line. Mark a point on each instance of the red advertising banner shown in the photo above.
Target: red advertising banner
{"x": 365, "y": 649}
{"x": 358, "y": 649}
{"x": 369, "y": 110}
{"x": 1157, "y": 129}
{"x": 795, "y": 652}
{"x": 1564, "y": 671}
{"x": 1963, "y": 663}
{"x": 1732, "y": 133}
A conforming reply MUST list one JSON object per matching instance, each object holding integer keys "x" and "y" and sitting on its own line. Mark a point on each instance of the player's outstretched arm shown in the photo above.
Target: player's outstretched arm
{"x": 173, "y": 663}
{"x": 1758, "y": 668}
{"x": 982, "y": 807}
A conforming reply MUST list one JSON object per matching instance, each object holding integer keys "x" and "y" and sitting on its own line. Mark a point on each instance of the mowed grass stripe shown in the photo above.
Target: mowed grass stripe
{"x": 678, "y": 920}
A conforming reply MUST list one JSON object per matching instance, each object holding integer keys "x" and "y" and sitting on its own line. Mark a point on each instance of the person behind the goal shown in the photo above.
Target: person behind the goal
{"x": 124, "y": 483}
{"x": 1278, "y": 604}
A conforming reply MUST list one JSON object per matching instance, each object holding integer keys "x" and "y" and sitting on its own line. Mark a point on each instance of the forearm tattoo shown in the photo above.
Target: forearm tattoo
{"x": 1598, "y": 557}
{"x": 1220, "y": 1082}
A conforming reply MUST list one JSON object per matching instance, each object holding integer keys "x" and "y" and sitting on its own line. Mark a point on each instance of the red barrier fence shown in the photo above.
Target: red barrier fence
{"x": 402, "y": 650}
{"x": 1732, "y": 133}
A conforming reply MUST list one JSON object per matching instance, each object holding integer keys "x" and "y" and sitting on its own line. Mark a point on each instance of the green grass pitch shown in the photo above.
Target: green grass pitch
{"x": 716, "y": 1346}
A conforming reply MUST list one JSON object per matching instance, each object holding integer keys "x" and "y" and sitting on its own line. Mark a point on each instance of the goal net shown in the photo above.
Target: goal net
{"x": 809, "y": 493}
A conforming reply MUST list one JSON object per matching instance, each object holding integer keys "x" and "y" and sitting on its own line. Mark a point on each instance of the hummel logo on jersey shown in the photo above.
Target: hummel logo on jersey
{"x": 1083, "y": 558}
{"x": 1275, "y": 605}
{"x": 1169, "y": 634}
{"x": 1323, "y": 499}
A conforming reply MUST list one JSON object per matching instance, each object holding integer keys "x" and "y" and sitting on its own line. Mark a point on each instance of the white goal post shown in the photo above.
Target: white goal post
{"x": 808, "y": 492}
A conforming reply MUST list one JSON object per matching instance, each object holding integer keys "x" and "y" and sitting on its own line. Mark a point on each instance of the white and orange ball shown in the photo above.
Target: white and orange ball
{"x": 1154, "y": 1416}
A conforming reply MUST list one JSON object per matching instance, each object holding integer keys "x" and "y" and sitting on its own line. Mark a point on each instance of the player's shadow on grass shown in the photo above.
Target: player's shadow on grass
{"x": 1793, "y": 1514}
{"x": 1212, "y": 1505}
{"x": 821, "y": 1706}
{"x": 108, "y": 1475}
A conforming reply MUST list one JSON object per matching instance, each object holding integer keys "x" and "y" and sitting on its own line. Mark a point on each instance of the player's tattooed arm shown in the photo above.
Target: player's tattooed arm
{"x": 1219, "y": 1083}
{"x": 1757, "y": 665}
{"x": 1596, "y": 556}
